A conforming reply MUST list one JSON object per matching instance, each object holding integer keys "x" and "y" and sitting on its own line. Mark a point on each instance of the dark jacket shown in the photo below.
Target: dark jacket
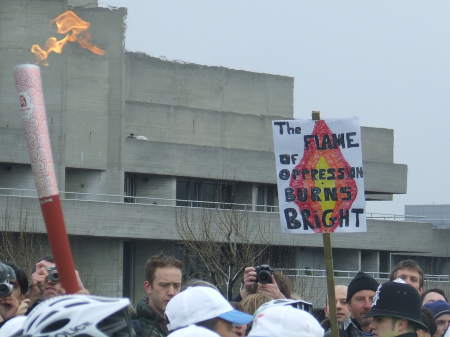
{"x": 149, "y": 323}
{"x": 349, "y": 328}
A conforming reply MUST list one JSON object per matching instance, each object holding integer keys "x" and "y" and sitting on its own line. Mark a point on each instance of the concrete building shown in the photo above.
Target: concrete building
{"x": 438, "y": 215}
{"x": 135, "y": 138}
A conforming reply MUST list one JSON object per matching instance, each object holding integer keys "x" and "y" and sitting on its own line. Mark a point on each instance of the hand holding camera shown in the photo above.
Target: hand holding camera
{"x": 260, "y": 279}
{"x": 39, "y": 280}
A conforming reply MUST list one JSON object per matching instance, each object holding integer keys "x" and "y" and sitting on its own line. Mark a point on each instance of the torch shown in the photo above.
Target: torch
{"x": 32, "y": 107}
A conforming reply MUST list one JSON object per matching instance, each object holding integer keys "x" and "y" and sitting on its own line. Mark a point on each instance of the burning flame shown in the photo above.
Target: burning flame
{"x": 324, "y": 159}
{"x": 75, "y": 30}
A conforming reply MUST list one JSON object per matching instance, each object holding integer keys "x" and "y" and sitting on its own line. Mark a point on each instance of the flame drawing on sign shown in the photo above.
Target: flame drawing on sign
{"x": 324, "y": 200}
{"x": 75, "y": 29}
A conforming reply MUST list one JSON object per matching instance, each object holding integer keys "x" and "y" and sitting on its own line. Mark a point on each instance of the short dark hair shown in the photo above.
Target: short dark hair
{"x": 407, "y": 264}
{"x": 434, "y": 290}
{"x": 47, "y": 258}
{"x": 160, "y": 261}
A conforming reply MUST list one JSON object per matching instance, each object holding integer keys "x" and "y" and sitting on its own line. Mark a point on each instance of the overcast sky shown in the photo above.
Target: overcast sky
{"x": 386, "y": 62}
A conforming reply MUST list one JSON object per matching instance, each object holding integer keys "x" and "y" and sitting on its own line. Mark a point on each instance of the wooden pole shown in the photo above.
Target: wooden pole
{"x": 328, "y": 256}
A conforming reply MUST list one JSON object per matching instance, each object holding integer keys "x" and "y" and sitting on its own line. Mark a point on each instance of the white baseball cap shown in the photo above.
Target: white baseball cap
{"x": 197, "y": 304}
{"x": 285, "y": 321}
{"x": 193, "y": 331}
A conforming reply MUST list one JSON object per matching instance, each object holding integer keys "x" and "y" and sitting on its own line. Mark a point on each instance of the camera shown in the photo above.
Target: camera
{"x": 53, "y": 275}
{"x": 7, "y": 274}
{"x": 264, "y": 274}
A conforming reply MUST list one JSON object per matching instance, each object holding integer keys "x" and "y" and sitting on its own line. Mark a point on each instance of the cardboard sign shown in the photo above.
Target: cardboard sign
{"x": 320, "y": 175}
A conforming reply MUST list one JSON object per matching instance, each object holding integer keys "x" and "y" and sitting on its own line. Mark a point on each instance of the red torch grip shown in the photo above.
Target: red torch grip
{"x": 54, "y": 221}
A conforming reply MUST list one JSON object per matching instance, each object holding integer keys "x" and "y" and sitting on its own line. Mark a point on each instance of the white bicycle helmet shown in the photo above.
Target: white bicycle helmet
{"x": 12, "y": 326}
{"x": 298, "y": 304}
{"x": 79, "y": 316}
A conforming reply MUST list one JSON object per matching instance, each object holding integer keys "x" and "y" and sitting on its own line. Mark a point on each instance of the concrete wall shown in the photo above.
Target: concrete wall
{"x": 152, "y": 80}
{"x": 377, "y": 145}
{"x": 438, "y": 215}
{"x": 199, "y": 161}
{"x": 84, "y": 184}
{"x": 16, "y": 176}
{"x": 155, "y": 187}
{"x": 187, "y": 125}
{"x": 99, "y": 262}
{"x": 120, "y": 220}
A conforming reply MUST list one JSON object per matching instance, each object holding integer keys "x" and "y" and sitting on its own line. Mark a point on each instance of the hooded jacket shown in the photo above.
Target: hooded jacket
{"x": 149, "y": 323}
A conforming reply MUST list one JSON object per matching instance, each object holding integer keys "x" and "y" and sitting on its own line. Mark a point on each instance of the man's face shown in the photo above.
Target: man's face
{"x": 240, "y": 330}
{"x": 410, "y": 276}
{"x": 442, "y": 323}
{"x": 50, "y": 288}
{"x": 384, "y": 327}
{"x": 166, "y": 284}
{"x": 360, "y": 304}
{"x": 432, "y": 297}
{"x": 342, "y": 309}
{"x": 10, "y": 303}
{"x": 224, "y": 328}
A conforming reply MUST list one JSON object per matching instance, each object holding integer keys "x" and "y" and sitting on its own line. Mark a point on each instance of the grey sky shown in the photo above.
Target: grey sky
{"x": 385, "y": 61}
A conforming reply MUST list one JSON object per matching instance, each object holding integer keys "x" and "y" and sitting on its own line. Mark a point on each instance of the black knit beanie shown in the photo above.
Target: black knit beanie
{"x": 361, "y": 281}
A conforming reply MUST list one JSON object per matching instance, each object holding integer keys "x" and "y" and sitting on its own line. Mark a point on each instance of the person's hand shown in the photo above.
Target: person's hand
{"x": 23, "y": 307}
{"x": 270, "y": 289}
{"x": 38, "y": 281}
{"x": 83, "y": 290}
{"x": 249, "y": 285}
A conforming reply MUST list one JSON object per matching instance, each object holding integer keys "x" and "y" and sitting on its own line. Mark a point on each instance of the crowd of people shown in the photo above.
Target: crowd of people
{"x": 265, "y": 307}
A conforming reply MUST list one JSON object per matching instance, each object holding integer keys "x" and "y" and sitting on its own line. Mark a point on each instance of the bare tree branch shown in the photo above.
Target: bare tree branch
{"x": 224, "y": 241}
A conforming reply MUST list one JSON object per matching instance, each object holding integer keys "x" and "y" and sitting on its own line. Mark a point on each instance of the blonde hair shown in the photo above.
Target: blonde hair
{"x": 252, "y": 302}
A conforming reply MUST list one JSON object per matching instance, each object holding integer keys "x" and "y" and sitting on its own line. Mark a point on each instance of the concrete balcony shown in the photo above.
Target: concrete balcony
{"x": 116, "y": 219}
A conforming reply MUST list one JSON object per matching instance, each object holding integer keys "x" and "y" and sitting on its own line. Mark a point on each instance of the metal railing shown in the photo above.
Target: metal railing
{"x": 147, "y": 200}
{"x": 309, "y": 272}
{"x": 142, "y": 200}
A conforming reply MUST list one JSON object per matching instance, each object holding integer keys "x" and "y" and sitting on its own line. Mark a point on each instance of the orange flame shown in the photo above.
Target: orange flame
{"x": 75, "y": 29}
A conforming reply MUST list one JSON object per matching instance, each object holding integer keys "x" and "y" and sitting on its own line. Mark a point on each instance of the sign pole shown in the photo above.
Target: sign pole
{"x": 328, "y": 256}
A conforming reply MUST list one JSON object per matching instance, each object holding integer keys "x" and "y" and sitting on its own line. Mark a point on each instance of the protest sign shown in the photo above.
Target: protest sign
{"x": 320, "y": 175}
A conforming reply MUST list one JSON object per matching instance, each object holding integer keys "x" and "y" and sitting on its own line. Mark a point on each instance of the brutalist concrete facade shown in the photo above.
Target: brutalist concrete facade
{"x": 128, "y": 113}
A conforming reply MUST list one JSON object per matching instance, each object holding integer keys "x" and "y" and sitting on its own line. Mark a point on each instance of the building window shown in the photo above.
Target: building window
{"x": 267, "y": 198}
{"x": 130, "y": 187}
{"x": 204, "y": 193}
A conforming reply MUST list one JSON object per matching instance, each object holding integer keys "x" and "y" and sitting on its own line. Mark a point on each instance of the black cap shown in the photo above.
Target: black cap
{"x": 398, "y": 300}
{"x": 361, "y": 281}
